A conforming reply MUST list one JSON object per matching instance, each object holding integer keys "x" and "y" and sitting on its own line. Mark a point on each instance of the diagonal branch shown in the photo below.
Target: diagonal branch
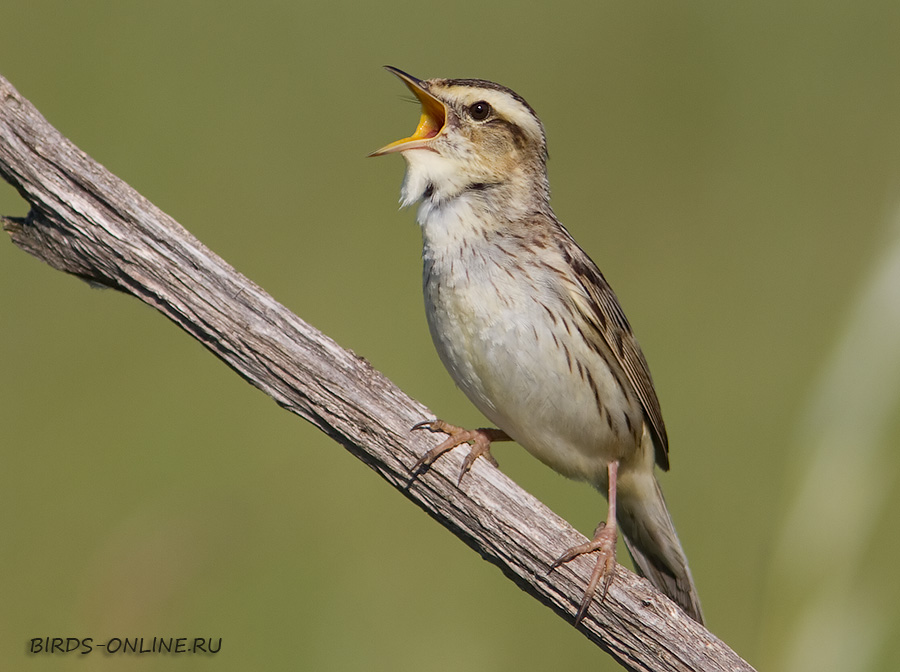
{"x": 88, "y": 222}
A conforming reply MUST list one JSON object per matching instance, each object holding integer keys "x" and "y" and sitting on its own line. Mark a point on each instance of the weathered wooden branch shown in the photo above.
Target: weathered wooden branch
{"x": 88, "y": 222}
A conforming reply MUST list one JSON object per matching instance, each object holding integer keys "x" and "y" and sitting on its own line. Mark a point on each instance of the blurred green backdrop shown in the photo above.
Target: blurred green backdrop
{"x": 734, "y": 168}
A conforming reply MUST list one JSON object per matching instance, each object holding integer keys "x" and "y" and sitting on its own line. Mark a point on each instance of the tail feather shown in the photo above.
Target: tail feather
{"x": 653, "y": 543}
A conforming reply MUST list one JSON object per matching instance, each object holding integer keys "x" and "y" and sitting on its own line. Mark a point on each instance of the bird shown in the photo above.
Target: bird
{"x": 528, "y": 327}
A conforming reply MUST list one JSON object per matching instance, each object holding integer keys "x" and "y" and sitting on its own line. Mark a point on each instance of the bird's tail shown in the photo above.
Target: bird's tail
{"x": 652, "y": 541}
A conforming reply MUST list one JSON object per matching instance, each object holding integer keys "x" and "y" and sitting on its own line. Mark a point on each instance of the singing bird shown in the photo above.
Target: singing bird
{"x": 529, "y": 328}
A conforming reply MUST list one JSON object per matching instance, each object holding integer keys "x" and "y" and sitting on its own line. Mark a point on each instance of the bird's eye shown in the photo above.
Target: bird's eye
{"x": 479, "y": 111}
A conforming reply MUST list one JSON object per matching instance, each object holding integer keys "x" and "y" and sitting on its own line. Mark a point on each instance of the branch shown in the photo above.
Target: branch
{"x": 88, "y": 222}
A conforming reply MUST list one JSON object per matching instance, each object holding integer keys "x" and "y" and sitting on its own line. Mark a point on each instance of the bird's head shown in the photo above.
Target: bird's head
{"x": 473, "y": 135}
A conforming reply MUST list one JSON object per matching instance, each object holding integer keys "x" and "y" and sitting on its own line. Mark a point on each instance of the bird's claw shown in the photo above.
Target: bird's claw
{"x": 479, "y": 438}
{"x": 604, "y": 543}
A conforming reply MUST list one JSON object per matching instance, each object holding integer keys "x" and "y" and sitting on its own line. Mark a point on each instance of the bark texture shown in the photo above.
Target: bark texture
{"x": 88, "y": 222}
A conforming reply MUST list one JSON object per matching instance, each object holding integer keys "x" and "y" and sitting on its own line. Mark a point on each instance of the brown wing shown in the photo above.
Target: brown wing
{"x": 603, "y": 313}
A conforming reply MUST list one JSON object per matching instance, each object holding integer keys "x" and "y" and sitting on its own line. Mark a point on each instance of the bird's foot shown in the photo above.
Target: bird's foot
{"x": 480, "y": 439}
{"x": 604, "y": 543}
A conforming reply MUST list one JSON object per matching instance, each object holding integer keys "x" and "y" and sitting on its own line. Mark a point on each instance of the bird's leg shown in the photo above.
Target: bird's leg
{"x": 604, "y": 542}
{"x": 479, "y": 438}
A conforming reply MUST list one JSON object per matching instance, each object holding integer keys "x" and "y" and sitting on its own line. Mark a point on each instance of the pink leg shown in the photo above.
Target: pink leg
{"x": 479, "y": 438}
{"x": 604, "y": 542}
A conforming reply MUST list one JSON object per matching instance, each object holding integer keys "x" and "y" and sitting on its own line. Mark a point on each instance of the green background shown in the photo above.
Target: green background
{"x": 734, "y": 168}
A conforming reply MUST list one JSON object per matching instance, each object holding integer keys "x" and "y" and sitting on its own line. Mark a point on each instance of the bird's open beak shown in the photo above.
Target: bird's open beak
{"x": 434, "y": 116}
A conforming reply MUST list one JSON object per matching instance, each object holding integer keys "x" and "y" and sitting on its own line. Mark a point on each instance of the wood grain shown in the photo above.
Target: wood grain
{"x": 87, "y": 222}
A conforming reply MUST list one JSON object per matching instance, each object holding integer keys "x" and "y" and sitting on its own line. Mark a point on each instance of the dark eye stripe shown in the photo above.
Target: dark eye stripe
{"x": 518, "y": 135}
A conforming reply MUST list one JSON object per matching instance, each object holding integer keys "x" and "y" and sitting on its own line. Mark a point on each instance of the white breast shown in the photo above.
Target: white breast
{"x": 487, "y": 316}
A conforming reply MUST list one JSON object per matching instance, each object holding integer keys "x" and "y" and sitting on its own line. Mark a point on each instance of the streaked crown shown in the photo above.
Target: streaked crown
{"x": 473, "y": 134}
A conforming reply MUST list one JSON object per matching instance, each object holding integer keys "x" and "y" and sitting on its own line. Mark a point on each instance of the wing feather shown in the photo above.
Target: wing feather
{"x": 600, "y": 309}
